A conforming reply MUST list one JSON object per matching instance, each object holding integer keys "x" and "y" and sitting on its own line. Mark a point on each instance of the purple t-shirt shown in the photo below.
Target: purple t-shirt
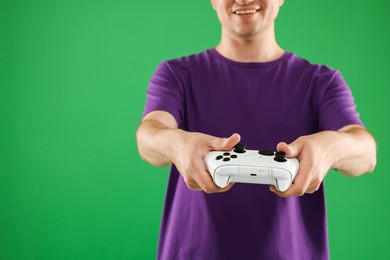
{"x": 265, "y": 103}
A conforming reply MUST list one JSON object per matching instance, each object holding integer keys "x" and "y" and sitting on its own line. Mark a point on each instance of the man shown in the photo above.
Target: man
{"x": 249, "y": 89}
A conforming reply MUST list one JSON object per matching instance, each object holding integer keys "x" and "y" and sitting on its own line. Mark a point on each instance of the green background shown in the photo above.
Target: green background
{"x": 73, "y": 76}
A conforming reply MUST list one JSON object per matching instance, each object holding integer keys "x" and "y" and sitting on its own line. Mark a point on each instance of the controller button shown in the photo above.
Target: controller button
{"x": 239, "y": 148}
{"x": 266, "y": 152}
{"x": 219, "y": 157}
{"x": 226, "y": 154}
{"x": 226, "y": 159}
{"x": 233, "y": 156}
{"x": 280, "y": 157}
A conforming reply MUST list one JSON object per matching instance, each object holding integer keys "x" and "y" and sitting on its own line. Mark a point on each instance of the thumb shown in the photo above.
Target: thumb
{"x": 291, "y": 150}
{"x": 223, "y": 144}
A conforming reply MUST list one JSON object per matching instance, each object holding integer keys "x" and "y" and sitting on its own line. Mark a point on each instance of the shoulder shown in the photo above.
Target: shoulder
{"x": 183, "y": 69}
{"x": 317, "y": 72}
{"x": 189, "y": 62}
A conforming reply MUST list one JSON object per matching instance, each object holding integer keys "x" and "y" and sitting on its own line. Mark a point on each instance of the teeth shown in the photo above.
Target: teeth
{"x": 252, "y": 11}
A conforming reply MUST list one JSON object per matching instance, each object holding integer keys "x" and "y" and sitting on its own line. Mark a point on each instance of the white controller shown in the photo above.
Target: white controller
{"x": 251, "y": 166}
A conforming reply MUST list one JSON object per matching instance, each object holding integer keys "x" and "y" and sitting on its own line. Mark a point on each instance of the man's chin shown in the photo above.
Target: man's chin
{"x": 246, "y": 34}
{"x": 251, "y": 32}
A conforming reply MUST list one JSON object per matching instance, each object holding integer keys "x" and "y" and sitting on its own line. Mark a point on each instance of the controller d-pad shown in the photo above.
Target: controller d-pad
{"x": 219, "y": 157}
{"x": 233, "y": 156}
{"x": 226, "y": 159}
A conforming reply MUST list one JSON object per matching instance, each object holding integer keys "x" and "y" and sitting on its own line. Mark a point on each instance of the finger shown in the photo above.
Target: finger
{"x": 207, "y": 183}
{"x": 208, "y": 186}
{"x": 222, "y": 144}
{"x": 292, "y": 150}
{"x": 203, "y": 178}
{"x": 300, "y": 184}
{"x": 189, "y": 177}
{"x": 228, "y": 187}
{"x": 230, "y": 142}
{"x": 318, "y": 177}
{"x": 191, "y": 183}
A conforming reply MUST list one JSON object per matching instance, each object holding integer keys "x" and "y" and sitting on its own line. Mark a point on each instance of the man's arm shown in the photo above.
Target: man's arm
{"x": 351, "y": 151}
{"x": 160, "y": 143}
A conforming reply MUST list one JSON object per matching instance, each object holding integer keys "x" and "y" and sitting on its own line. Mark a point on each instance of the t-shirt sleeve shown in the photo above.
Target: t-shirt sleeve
{"x": 337, "y": 107}
{"x": 164, "y": 93}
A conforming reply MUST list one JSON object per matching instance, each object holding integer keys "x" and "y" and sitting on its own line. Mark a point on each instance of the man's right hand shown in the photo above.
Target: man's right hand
{"x": 160, "y": 142}
{"x": 188, "y": 158}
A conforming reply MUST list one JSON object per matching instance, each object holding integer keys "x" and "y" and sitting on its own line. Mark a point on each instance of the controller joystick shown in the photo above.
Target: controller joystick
{"x": 280, "y": 157}
{"x": 239, "y": 148}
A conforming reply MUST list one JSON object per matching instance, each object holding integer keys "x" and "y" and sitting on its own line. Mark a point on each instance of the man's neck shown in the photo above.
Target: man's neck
{"x": 260, "y": 48}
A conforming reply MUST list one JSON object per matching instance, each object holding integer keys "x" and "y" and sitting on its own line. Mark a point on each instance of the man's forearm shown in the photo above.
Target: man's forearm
{"x": 351, "y": 151}
{"x": 355, "y": 151}
{"x": 154, "y": 141}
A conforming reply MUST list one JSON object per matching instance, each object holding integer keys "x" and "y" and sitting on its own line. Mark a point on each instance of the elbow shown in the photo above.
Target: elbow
{"x": 371, "y": 157}
{"x": 359, "y": 168}
{"x": 371, "y": 165}
{"x": 152, "y": 160}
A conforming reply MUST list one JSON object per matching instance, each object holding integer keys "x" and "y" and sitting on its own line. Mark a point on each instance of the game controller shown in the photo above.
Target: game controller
{"x": 251, "y": 166}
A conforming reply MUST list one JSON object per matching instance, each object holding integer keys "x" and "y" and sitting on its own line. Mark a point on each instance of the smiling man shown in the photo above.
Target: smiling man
{"x": 249, "y": 88}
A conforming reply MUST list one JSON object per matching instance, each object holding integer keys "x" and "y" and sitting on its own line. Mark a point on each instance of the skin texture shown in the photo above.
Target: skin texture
{"x": 251, "y": 38}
